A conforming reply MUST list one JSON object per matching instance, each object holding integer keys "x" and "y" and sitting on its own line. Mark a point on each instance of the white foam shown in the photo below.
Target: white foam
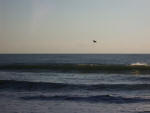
{"x": 139, "y": 64}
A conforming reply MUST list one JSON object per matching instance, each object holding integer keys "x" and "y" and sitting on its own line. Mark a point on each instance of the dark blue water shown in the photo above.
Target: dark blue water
{"x": 52, "y": 91}
{"x": 74, "y": 58}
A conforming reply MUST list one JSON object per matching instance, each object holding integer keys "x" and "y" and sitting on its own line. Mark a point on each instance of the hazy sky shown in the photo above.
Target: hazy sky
{"x": 69, "y": 26}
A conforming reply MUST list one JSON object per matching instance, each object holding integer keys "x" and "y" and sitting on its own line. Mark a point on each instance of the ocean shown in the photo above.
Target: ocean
{"x": 75, "y": 83}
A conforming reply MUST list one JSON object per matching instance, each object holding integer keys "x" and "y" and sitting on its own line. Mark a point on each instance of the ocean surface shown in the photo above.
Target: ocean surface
{"x": 75, "y": 83}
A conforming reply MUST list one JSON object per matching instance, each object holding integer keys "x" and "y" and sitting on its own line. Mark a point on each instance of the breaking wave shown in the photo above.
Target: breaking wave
{"x": 139, "y": 64}
{"x": 87, "y": 68}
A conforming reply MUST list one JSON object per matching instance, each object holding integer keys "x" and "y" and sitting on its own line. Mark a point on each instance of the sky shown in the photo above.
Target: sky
{"x": 69, "y": 26}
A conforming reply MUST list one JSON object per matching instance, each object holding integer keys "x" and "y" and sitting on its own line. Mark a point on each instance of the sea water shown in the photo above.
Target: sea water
{"x": 54, "y": 91}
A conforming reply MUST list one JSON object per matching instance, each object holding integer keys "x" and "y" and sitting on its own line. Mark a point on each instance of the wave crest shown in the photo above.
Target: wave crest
{"x": 139, "y": 64}
{"x": 85, "y": 68}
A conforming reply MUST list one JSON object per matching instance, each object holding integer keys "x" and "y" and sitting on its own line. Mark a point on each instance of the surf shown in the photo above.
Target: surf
{"x": 85, "y": 68}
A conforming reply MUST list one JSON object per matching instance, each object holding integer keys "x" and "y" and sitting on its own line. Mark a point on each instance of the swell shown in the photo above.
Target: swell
{"x": 99, "y": 98}
{"x": 43, "y": 86}
{"x": 80, "y": 67}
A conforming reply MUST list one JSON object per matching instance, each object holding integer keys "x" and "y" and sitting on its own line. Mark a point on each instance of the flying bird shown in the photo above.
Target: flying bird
{"x": 94, "y": 41}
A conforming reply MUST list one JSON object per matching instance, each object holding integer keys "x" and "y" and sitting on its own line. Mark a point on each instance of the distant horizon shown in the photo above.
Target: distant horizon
{"x": 75, "y": 53}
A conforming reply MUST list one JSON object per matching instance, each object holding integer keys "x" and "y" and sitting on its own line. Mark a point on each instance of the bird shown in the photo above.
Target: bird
{"x": 94, "y": 41}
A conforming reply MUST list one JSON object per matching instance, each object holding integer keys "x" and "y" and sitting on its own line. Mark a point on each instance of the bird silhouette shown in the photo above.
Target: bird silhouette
{"x": 94, "y": 41}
